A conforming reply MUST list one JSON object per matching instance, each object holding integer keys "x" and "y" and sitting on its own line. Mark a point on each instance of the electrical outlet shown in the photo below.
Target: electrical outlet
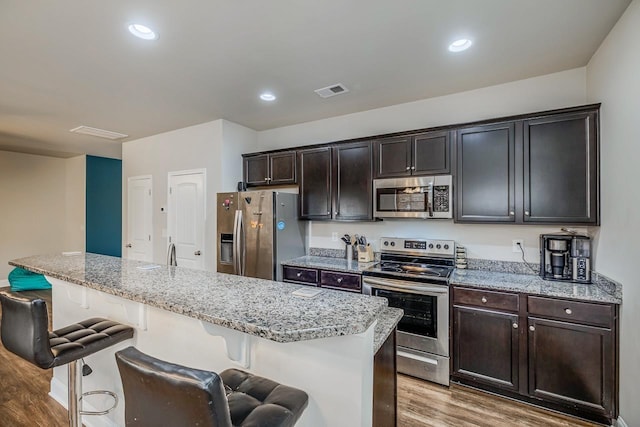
{"x": 334, "y": 236}
{"x": 514, "y": 245}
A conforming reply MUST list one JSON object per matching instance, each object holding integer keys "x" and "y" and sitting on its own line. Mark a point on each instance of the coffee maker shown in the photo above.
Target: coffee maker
{"x": 565, "y": 257}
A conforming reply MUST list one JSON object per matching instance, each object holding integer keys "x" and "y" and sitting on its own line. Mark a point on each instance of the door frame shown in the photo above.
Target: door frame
{"x": 203, "y": 171}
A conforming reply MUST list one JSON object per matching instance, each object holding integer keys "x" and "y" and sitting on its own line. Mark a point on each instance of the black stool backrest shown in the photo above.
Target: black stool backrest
{"x": 25, "y": 329}
{"x": 158, "y": 393}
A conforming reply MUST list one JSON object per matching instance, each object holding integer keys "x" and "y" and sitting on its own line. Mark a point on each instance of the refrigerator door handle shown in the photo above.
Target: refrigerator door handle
{"x": 236, "y": 243}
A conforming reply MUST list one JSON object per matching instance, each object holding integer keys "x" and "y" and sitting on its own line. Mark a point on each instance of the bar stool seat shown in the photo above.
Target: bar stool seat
{"x": 24, "y": 332}
{"x": 162, "y": 393}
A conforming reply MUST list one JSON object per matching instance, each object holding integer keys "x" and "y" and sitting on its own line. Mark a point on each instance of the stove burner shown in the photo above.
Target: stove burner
{"x": 413, "y": 269}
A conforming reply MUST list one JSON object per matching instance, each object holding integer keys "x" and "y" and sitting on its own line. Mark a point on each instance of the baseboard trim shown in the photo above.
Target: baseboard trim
{"x": 620, "y": 423}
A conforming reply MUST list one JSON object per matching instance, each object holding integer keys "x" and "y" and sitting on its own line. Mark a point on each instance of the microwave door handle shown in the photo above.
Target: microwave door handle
{"x": 236, "y": 242}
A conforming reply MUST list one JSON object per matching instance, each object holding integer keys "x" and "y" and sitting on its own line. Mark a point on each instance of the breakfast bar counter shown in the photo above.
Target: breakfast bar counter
{"x": 324, "y": 344}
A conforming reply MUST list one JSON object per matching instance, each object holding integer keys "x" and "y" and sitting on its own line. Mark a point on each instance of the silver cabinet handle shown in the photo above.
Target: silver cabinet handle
{"x": 408, "y": 168}
{"x": 129, "y": 245}
{"x": 413, "y": 168}
{"x": 197, "y": 253}
{"x": 328, "y": 212}
{"x": 532, "y": 328}
{"x": 339, "y": 280}
{"x": 568, "y": 310}
{"x": 298, "y": 274}
{"x": 484, "y": 300}
{"x": 335, "y": 212}
{"x": 526, "y": 213}
{"x": 512, "y": 213}
{"x": 515, "y": 326}
{"x": 266, "y": 179}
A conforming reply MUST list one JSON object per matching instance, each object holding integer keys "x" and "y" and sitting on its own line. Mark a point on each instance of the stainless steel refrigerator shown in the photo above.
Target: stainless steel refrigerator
{"x": 257, "y": 230}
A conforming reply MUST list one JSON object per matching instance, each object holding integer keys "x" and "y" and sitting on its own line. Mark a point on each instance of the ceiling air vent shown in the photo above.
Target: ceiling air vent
{"x": 100, "y": 133}
{"x": 333, "y": 90}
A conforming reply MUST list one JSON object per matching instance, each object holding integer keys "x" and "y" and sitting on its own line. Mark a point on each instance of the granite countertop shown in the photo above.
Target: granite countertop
{"x": 329, "y": 263}
{"x": 258, "y": 307}
{"x": 387, "y": 321}
{"x": 601, "y": 290}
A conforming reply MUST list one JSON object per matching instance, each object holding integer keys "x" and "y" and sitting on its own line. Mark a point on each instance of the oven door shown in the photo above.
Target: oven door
{"x": 425, "y": 324}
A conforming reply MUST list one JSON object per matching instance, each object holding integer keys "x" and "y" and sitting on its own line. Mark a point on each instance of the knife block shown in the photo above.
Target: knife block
{"x": 365, "y": 253}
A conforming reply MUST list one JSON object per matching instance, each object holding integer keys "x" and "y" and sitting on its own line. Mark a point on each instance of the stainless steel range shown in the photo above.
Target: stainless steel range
{"x": 413, "y": 274}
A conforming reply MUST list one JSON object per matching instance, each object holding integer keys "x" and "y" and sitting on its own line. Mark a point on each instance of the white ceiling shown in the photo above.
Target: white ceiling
{"x": 69, "y": 63}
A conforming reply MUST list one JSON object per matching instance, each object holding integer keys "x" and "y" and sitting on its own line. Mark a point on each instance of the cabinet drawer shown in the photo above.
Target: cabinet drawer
{"x": 486, "y": 299}
{"x": 300, "y": 275}
{"x": 573, "y": 311}
{"x": 344, "y": 281}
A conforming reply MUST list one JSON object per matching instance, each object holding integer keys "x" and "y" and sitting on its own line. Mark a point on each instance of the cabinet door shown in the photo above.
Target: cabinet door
{"x": 392, "y": 157}
{"x": 314, "y": 166}
{"x": 283, "y": 168}
{"x": 561, "y": 169}
{"x": 256, "y": 170}
{"x": 572, "y": 364}
{"x": 485, "y": 347}
{"x": 431, "y": 153}
{"x": 353, "y": 189}
{"x": 485, "y": 167}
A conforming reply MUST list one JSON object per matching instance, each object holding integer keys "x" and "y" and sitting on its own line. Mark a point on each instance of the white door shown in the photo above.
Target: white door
{"x": 139, "y": 218}
{"x": 186, "y": 214}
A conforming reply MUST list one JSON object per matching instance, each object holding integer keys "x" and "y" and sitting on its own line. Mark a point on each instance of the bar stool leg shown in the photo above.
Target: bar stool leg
{"x": 75, "y": 390}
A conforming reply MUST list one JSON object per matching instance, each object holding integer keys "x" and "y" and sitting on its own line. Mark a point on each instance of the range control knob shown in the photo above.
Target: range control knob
{"x": 438, "y": 246}
{"x": 386, "y": 243}
{"x": 393, "y": 243}
{"x": 430, "y": 245}
{"x": 446, "y": 246}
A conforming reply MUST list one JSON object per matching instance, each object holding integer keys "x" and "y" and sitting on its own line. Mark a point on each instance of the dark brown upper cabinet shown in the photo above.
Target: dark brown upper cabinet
{"x": 270, "y": 169}
{"x": 335, "y": 182}
{"x": 538, "y": 170}
{"x": 423, "y": 154}
{"x": 485, "y": 173}
{"x": 560, "y": 169}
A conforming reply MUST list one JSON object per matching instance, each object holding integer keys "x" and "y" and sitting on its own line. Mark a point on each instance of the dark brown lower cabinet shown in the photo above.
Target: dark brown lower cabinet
{"x": 572, "y": 364}
{"x": 385, "y": 384}
{"x": 486, "y": 346}
{"x": 553, "y": 352}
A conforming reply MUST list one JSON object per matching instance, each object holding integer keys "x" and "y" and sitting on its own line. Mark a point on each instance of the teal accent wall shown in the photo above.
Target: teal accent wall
{"x": 104, "y": 206}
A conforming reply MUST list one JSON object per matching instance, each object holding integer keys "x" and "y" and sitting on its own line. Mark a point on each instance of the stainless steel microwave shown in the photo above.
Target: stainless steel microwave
{"x": 415, "y": 197}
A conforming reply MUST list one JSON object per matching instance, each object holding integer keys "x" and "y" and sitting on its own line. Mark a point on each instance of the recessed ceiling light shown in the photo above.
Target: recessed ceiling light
{"x": 460, "y": 45}
{"x": 142, "y": 31}
{"x": 267, "y": 96}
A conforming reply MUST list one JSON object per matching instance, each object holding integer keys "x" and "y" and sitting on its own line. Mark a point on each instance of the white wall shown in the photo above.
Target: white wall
{"x": 75, "y": 203}
{"x": 613, "y": 78}
{"x": 201, "y": 146}
{"x": 564, "y": 89}
{"x": 33, "y": 200}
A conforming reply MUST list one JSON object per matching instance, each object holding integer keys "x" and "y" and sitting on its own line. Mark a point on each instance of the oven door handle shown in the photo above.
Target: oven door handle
{"x": 427, "y": 290}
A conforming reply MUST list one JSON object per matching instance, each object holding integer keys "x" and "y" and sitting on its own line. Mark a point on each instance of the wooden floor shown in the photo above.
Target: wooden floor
{"x": 24, "y": 402}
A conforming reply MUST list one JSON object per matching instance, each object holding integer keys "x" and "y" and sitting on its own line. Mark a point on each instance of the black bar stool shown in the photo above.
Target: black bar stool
{"x": 24, "y": 331}
{"x": 159, "y": 393}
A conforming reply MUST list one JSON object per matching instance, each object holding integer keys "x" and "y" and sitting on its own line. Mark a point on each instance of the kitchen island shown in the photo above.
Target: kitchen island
{"x": 324, "y": 345}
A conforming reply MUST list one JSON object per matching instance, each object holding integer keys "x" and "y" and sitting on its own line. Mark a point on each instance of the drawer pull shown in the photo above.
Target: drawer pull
{"x": 484, "y": 300}
{"x": 568, "y": 310}
{"x": 532, "y": 328}
{"x": 339, "y": 280}
{"x": 515, "y": 326}
{"x": 298, "y": 274}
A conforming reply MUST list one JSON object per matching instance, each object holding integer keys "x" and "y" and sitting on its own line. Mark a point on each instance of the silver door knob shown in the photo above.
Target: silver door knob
{"x": 515, "y": 326}
{"x": 266, "y": 179}
{"x": 532, "y": 328}
{"x": 408, "y": 168}
{"x": 568, "y": 310}
{"x": 197, "y": 253}
{"x": 298, "y": 274}
{"x": 512, "y": 213}
{"x": 129, "y": 245}
{"x": 484, "y": 300}
{"x": 339, "y": 280}
{"x": 526, "y": 213}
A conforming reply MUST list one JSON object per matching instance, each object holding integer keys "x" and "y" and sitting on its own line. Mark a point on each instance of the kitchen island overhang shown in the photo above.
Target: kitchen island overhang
{"x": 323, "y": 345}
